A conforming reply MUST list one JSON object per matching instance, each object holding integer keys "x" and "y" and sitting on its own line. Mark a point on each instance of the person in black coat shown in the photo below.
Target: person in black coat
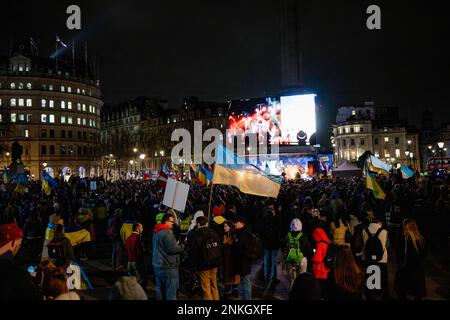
{"x": 271, "y": 238}
{"x": 15, "y": 282}
{"x": 244, "y": 268}
{"x": 410, "y": 277}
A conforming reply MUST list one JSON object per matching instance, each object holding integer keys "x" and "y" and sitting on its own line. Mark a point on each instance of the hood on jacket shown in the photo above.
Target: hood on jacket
{"x": 194, "y": 220}
{"x": 320, "y": 235}
{"x": 296, "y": 225}
{"x": 160, "y": 226}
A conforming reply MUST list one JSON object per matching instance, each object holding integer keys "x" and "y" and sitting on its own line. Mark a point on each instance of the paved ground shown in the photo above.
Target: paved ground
{"x": 103, "y": 277}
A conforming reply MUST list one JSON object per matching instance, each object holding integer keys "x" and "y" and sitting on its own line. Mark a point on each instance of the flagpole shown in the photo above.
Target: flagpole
{"x": 56, "y": 54}
{"x": 210, "y": 200}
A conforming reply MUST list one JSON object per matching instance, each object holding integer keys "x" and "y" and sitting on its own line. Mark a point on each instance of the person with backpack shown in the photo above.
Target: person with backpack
{"x": 375, "y": 253}
{"x": 322, "y": 252}
{"x": 60, "y": 249}
{"x": 205, "y": 249}
{"x": 244, "y": 240}
{"x": 298, "y": 250}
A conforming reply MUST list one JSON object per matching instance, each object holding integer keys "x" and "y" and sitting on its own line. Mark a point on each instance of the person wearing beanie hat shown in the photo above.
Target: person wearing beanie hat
{"x": 15, "y": 282}
{"x": 298, "y": 250}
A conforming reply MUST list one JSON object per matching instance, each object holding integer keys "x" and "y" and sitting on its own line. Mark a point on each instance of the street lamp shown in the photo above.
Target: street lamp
{"x": 441, "y": 151}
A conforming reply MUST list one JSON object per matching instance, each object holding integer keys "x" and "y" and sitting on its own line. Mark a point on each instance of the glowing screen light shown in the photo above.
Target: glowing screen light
{"x": 298, "y": 117}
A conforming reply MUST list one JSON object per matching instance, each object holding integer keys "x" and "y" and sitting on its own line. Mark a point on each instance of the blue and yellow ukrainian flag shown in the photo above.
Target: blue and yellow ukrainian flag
{"x": 372, "y": 184}
{"x": 232, "y": 170}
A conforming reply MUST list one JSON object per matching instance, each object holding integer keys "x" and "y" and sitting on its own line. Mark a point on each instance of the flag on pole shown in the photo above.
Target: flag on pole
{"x": 162, "y": 179}
{"x": 164, "y": 168}
{"x": 198, "y": 176}
{"x": 48, "y": 178}
{"x": 206, "y": 172}
{"x": 406, "y": 172}
{"x": 45, "y": 187}
{"x": 230, "y": 169}
{"x": 378, "y": 166}
{"x": 372, "y": 184}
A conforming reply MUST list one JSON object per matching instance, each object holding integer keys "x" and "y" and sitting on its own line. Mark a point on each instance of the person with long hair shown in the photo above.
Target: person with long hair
{"x": 231, "y": 278}
{"x": 347, "y": 281}
{"x": 410, "y": 277}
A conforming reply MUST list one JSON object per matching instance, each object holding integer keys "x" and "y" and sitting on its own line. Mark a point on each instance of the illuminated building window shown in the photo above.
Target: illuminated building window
{"x": 21, "y": 102}
{"x": 353, "y": 113}
{"x": 63, "y": 119}
{"x": 69, "y": 120}
{"x": 78, "y": 90}
{"x": 79, "y": 106}
{"x": 21, "y": 117}
{"x": 43, "y": 118}
{"x": 69, "y": 89}
{"x": 43, "y": 103}
{"x": 347, "y": 129}
{"x": 356, "y": 129}
{"x": 63, "y": 104}
{"x": 20, "y": 85}
{"x": 12, "y": 102}
{"x": 13, "y": 117}
{"x": 84, "y": 121}
{"x": 27, "y": 133}
{"x": 29, "y": 86}
{"x": 84, "y": 107}
{"x": 69, "y": 105}
{"x": 397, "y": 153}
{"x": 386, "y": 139}
{"x": 63, "y": 89}
{"x": 51, "y": 103}
{"x": 13, "y": 85}
{"x": 50, "y": 87}
{"x": 79, "y": 121}
{"x": 29, "y": 102}
{"x": 51, "y": 118}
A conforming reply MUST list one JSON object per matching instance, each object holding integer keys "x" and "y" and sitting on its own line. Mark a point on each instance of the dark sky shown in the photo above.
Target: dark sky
{"x": 219, "y": 49}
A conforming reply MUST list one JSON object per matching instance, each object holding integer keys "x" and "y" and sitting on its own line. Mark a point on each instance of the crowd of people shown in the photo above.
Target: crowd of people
{"x": 328, "y": 234}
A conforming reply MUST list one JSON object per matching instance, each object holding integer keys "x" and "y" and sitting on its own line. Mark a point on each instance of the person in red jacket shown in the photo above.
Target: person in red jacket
{"x": 320, "y": 271}
{"x": 135, "y": 251}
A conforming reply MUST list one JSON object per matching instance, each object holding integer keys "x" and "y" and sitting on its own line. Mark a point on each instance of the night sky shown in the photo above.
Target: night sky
{"x": 219, "y": 49}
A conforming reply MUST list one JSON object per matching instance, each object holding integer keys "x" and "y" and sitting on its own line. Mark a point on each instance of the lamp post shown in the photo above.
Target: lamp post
{"x": 441, "y": 151}
{"x": 142, "y": 157}
{"x": 407, "y": 157}
{"x": 131, "y": 168}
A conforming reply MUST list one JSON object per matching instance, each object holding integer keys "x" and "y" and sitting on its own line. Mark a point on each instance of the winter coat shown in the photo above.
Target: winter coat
{"x": 196, "y": 247}
{"x": 338, "y": 234}
{"x": 243, "y": 238}
{"x": 166, "y": 250}
{"x": 15, "y": 282}
{"x": 230, "y": 259}
{"x": 410, "y": 277}
{"x": 321, "y": 241}
{"x": 134, "y": 248}
{"x": 270, "y": 231}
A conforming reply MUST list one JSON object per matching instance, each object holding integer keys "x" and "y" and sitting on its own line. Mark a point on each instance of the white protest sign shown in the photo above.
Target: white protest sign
{"x": 175, "y": 195}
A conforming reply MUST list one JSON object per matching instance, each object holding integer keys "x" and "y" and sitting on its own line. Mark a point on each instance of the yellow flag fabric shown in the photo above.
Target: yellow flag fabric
{"x": 46, "y": 187}
{"x": 372, "y": 184}
{"x": 78, "y": 237}
{"x": 126, "y": 230}
{"x": 20, "y": 188}
{"x": 246, "y": 181}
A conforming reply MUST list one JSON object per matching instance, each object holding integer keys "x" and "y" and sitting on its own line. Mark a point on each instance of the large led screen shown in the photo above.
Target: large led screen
{"x": 298, "y": 118}
{"x": 285, "y": 120}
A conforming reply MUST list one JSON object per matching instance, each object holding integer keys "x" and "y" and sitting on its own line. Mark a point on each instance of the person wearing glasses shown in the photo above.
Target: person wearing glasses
{"x": 166, "y": 259}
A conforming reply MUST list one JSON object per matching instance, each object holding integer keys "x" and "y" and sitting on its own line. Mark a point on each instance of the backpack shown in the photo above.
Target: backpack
{"x": 295, "y": 254}
{"x": 373, "y": 249}
{"x": 56, "y": 250}
{"x": 254, "y": 248}
{"x": 211, "y": 249}
{"x": 330, "y": 256}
